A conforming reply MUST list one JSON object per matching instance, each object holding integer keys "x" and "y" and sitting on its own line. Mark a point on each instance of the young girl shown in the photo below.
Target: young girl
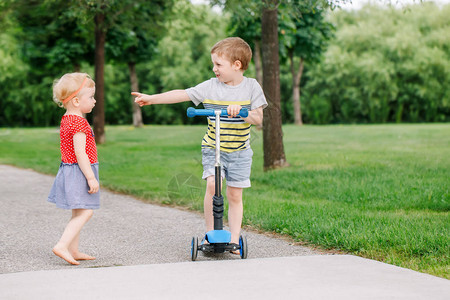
{"x": 76, "y": 185}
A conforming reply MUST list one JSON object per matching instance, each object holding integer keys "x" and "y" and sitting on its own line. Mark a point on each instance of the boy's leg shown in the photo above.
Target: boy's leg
{"x": 238, "y": 166}
{"x": 235, "y": 212}
{"x": 72, "y": 230}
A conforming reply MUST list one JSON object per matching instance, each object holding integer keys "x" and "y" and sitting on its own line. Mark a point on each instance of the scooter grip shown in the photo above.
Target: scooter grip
{"x": 243, "y": 113}
{"x": 192, "y": 112}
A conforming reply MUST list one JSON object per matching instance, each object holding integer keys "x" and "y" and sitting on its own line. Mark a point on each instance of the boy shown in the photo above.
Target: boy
{"x": 232, "y": 90}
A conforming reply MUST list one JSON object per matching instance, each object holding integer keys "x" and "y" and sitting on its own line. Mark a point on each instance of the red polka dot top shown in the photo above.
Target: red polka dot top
{"x": 71, "y": 124}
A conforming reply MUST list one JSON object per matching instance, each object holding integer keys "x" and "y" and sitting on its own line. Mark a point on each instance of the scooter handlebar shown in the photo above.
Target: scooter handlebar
{"x": 192, "y": 112}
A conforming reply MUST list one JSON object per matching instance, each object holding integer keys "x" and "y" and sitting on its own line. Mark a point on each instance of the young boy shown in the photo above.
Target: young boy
{"x": 232, "y": 90}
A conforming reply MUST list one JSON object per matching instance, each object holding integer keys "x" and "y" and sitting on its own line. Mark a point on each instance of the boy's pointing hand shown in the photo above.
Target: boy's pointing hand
{"x": 141, "y": 99}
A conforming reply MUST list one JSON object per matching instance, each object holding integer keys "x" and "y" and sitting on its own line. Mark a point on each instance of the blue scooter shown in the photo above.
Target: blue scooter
{"x": 218, "y": 239}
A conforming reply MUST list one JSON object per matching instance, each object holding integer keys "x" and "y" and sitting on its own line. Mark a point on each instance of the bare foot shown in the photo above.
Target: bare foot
{"x": 82, "y": 256}
{"x": 64, "y": 254}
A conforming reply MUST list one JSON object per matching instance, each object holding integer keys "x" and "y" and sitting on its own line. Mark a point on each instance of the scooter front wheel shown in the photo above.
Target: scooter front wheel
{"x": 243, "y": 251}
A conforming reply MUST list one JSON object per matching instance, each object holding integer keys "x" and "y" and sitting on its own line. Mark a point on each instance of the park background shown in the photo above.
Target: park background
{"x": 371, "y": 180}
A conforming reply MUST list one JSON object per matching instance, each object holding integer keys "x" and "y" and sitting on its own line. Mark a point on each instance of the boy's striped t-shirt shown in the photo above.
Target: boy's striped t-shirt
{"x": 234, "y": 132}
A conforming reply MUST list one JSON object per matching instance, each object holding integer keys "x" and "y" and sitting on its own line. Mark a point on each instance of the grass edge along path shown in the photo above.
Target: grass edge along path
{"x": 377, "y": 191}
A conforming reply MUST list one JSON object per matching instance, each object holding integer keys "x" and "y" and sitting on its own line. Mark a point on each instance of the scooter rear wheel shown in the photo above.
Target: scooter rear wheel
{"x": 194, "y": 248}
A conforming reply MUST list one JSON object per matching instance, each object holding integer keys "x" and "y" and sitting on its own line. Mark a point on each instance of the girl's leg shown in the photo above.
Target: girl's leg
{"x": 235, "y": 212}
{"x": 73, "y": 228}
{"x": 73, "y": 249}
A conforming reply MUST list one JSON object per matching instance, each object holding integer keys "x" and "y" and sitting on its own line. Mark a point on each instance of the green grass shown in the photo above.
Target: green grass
{"x": 378, "y": 191}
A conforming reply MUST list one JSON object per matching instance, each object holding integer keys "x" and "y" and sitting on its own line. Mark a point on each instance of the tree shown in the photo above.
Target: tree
{"x": 246, "y": 23}
{"x": 304, "y": 37}
{"x": 133, "y": 38}
{"x": 100, "y": 40}
{"x": 51, "y": 35}
{"x": 52, "y": 42}
{"x": 184, "y": 58}
{"x": 13, "y": 70}
{"x": 104, "y": 14}
{"x": 274, "y": 156}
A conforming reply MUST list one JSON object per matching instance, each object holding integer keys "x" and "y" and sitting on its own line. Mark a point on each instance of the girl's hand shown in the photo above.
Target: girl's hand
{"x": 93, "y": 186}
{"x": 233, "y": 110}
{"x": 142, "y": 99}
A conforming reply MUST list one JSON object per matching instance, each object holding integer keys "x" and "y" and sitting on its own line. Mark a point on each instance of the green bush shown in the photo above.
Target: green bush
{"x": 385, "y": 65}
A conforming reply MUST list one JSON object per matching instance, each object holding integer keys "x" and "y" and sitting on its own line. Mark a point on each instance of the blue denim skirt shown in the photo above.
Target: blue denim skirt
{"x": 70, "y": 188}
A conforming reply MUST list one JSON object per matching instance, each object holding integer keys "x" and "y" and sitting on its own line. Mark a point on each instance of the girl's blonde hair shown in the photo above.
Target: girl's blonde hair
{"x": 68, "y": 84}
{"x": 234, "y": 48}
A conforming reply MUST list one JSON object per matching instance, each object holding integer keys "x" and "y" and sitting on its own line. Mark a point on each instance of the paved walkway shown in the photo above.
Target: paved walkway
{"x": 143, "y": 252}
{"x": 123, "y": 232}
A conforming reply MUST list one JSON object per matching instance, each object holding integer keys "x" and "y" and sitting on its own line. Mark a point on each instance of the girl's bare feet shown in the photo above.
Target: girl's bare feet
{"x": 64, "y": 254}
{"x": 82, "y": 256}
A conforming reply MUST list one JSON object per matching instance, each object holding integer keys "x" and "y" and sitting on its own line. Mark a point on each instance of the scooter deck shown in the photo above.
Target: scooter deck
{"x": 218, "y": 236}
{"x": 218, "y": 247}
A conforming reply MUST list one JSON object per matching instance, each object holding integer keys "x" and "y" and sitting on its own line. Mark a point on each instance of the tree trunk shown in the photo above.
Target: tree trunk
{"x": 99, "y": 110}
{"x": 137, "y": 113}
{"x": 274, "y": 156}
{"x": 257, "y": 61}
{"x": 296, "y": 79}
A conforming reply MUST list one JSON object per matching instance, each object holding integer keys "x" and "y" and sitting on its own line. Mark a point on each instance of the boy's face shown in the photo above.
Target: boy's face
{"x": 226, "y": 71}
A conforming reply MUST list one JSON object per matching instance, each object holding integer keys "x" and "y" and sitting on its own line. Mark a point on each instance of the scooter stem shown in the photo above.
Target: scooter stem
{"x": 217, "y": 113}
{"x": 218, "y": 198}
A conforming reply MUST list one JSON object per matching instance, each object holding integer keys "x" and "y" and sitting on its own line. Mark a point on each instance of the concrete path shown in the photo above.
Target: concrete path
{"x": 143, "y": 252}
{"x": 302, "y": 277}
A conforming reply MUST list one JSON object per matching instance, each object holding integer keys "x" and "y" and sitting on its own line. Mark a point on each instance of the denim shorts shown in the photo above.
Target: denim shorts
{"x": 236, "y": 166}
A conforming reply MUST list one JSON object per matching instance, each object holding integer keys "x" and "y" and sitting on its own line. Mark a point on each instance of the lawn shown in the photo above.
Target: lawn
{"x": 378, "y": 191}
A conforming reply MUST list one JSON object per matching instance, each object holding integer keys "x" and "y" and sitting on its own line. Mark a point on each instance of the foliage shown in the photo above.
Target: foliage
{"x": 305, "y": 33}
{"x": 245, "y": 22}
{"x": 47, "y": 42}
{"x": 134, "y": 35}
{"x": 183, "y": 59}
{"x": 386, "y": 65}
{"x": 12, "y": 73}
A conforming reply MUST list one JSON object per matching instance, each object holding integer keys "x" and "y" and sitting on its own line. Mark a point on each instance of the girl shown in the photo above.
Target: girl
{"x": 76, "y": 185}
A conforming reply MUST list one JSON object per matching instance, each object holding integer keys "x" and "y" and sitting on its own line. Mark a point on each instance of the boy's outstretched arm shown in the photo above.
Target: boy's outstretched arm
{"x": 169, "y": 97}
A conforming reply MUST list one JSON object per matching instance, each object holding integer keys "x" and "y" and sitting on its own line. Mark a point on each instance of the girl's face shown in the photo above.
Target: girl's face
{"x": 86, "y": 99}
{"x": 226, "y": 72}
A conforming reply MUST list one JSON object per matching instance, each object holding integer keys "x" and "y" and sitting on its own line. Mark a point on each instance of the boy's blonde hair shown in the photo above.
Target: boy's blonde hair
{"x": 234, "y": 48}
{"x": 68, "y": 84}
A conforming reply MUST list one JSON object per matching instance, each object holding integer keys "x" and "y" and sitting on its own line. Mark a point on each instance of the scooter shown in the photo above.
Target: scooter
{"x": 219, "y": 240}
